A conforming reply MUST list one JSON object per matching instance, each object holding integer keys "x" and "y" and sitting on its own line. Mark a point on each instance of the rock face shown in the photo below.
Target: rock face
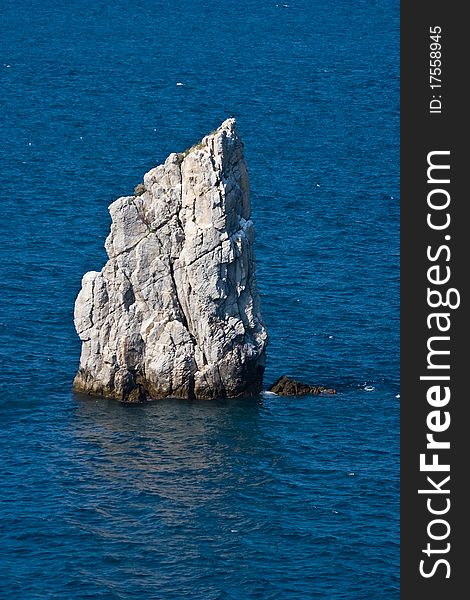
{"x": 175, "y": 311}
{"x": 285, "y": 386}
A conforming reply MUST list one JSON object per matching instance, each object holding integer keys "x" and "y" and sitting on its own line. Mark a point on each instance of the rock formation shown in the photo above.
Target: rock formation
{"x": 285, "y": 386}
{"x": 175, "y": 311}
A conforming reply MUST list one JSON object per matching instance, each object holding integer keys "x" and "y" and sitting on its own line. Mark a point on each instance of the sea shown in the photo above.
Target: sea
{"x": 255, "y": 498}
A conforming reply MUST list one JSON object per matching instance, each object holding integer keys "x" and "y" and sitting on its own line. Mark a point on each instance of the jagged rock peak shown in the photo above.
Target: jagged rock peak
{"x": 175, "y": 311}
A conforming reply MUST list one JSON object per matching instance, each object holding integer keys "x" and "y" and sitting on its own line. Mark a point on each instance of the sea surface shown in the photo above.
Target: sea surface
{"x": 260, "y": 498}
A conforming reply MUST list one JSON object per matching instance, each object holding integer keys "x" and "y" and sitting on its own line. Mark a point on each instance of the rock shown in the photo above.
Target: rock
{"x": 175, "y": 311}
{"x": 285, "y": 386}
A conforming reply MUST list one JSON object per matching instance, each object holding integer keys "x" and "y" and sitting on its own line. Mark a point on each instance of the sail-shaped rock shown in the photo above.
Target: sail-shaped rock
{"x": 175, "y": 311}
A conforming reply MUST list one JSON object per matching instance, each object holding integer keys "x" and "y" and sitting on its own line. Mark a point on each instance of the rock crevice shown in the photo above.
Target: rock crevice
{"x": 175, "y": 312}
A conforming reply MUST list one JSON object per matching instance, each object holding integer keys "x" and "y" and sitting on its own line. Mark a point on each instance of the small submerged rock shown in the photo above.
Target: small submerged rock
{"x": 285, "y": 386}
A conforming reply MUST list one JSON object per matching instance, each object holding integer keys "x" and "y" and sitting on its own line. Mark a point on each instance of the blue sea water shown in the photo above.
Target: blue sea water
{"x": 267, "y": 497}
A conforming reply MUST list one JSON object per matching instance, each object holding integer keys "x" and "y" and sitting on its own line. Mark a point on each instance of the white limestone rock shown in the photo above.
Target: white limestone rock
{"x": 175, "y": 311}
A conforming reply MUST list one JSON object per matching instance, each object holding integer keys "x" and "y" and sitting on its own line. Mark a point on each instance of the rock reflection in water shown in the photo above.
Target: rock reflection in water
{"x": 188, "y": 455}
